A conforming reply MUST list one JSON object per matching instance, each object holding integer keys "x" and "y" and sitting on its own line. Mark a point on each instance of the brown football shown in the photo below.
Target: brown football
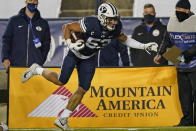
{"x": 76, "y": 36}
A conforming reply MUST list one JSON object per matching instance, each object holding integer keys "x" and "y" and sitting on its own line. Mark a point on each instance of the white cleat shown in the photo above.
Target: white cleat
{"x": 29, "y": 73}
{"x": 62, "y": 125}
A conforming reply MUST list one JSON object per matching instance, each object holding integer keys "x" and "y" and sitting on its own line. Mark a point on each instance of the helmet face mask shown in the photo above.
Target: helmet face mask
{"x": 111, "y": 23}
{"x": 108, "y": 16}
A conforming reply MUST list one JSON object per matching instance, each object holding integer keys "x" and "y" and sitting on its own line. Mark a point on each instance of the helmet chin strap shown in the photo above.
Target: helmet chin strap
{"x": 110, "y": 28}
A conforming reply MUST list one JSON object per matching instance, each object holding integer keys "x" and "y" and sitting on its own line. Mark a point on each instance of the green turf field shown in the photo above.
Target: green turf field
{"x": 116, "y": 129}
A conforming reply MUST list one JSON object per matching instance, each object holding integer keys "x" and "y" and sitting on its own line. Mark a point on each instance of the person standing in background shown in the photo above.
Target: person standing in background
{"x": 182, "y": 30}
{"x": 26, "y": 39}
{"x": 150, "y": 30}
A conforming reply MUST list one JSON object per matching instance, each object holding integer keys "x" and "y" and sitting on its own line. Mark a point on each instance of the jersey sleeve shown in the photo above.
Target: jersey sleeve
{"x": 86, "y": 24}
{"x": 83, "y": 25}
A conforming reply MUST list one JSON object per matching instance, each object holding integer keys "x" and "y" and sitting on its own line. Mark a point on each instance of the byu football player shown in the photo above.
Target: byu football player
{"x": 97, "y": 33}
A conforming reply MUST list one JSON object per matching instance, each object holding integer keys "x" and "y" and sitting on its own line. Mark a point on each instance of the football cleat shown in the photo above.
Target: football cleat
{"x": 62, "y": 124}
{"x": 29, "y": 73}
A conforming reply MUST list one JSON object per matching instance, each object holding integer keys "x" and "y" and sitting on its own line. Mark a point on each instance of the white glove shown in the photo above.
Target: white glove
{"x": 151, "y": 46}
{"x": 79, "y": 45}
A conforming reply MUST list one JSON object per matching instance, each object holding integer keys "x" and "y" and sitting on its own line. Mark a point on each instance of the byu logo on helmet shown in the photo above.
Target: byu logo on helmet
{"x": 103, "y": 9}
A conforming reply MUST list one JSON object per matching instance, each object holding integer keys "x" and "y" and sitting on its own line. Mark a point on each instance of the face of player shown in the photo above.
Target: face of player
{"x": 111, "y": 22}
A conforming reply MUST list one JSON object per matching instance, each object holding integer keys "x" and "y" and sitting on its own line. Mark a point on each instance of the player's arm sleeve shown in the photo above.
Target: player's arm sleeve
{"x": 83, "y": 25}
{"x": 87, "y": 24}
{"x": 127, "y": 40}
{"x": 130, "y": 42}
{"x": 7, "y": 40}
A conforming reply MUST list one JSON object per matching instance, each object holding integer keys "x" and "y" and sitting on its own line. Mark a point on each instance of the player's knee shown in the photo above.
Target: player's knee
{"x": 58, "y": 83}
{"x": 62, "y": 80}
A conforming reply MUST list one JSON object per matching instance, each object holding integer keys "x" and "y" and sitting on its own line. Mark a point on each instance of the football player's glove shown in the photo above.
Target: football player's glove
{"x": 79, "y": 45}
{"x": 151, "y": 46}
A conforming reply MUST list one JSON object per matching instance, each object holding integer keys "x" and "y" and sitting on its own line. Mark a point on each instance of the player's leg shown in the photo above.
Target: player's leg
{"x": 66, "y": 70}
{"x": 74, "y": 101}
{"x": 86, "y": 70}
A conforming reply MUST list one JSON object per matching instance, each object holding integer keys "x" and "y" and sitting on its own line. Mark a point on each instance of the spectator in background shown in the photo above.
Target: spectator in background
{"x": 182, "y": 25}
{"x": 27, "y": 38}
{"x": 114, "y": 54}
{"x": 150, "y": 30}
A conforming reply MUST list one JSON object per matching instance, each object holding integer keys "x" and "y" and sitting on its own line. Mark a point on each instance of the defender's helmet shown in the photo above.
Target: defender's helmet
{"x": 107, "y": 12}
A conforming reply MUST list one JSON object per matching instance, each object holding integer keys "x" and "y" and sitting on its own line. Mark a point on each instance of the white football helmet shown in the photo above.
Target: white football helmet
{"x": 106, "y": 13}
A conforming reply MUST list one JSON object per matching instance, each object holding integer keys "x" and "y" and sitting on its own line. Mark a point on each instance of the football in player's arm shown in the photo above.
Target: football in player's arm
{"x": 97, "y": 32}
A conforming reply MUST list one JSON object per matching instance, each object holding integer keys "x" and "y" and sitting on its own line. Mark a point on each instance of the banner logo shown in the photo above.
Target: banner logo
{"x": 55, "y": 104}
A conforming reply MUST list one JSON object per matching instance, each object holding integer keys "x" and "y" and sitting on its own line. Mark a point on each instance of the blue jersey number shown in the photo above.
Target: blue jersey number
{"x": 94, "y": 43}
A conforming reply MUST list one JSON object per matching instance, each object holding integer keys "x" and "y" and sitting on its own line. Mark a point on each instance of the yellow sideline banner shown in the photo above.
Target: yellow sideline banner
{"x": 118, "y": 97}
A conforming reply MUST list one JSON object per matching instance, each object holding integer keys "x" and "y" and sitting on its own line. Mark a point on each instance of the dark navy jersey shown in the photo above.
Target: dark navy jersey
{"x": 95, "y": 36}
